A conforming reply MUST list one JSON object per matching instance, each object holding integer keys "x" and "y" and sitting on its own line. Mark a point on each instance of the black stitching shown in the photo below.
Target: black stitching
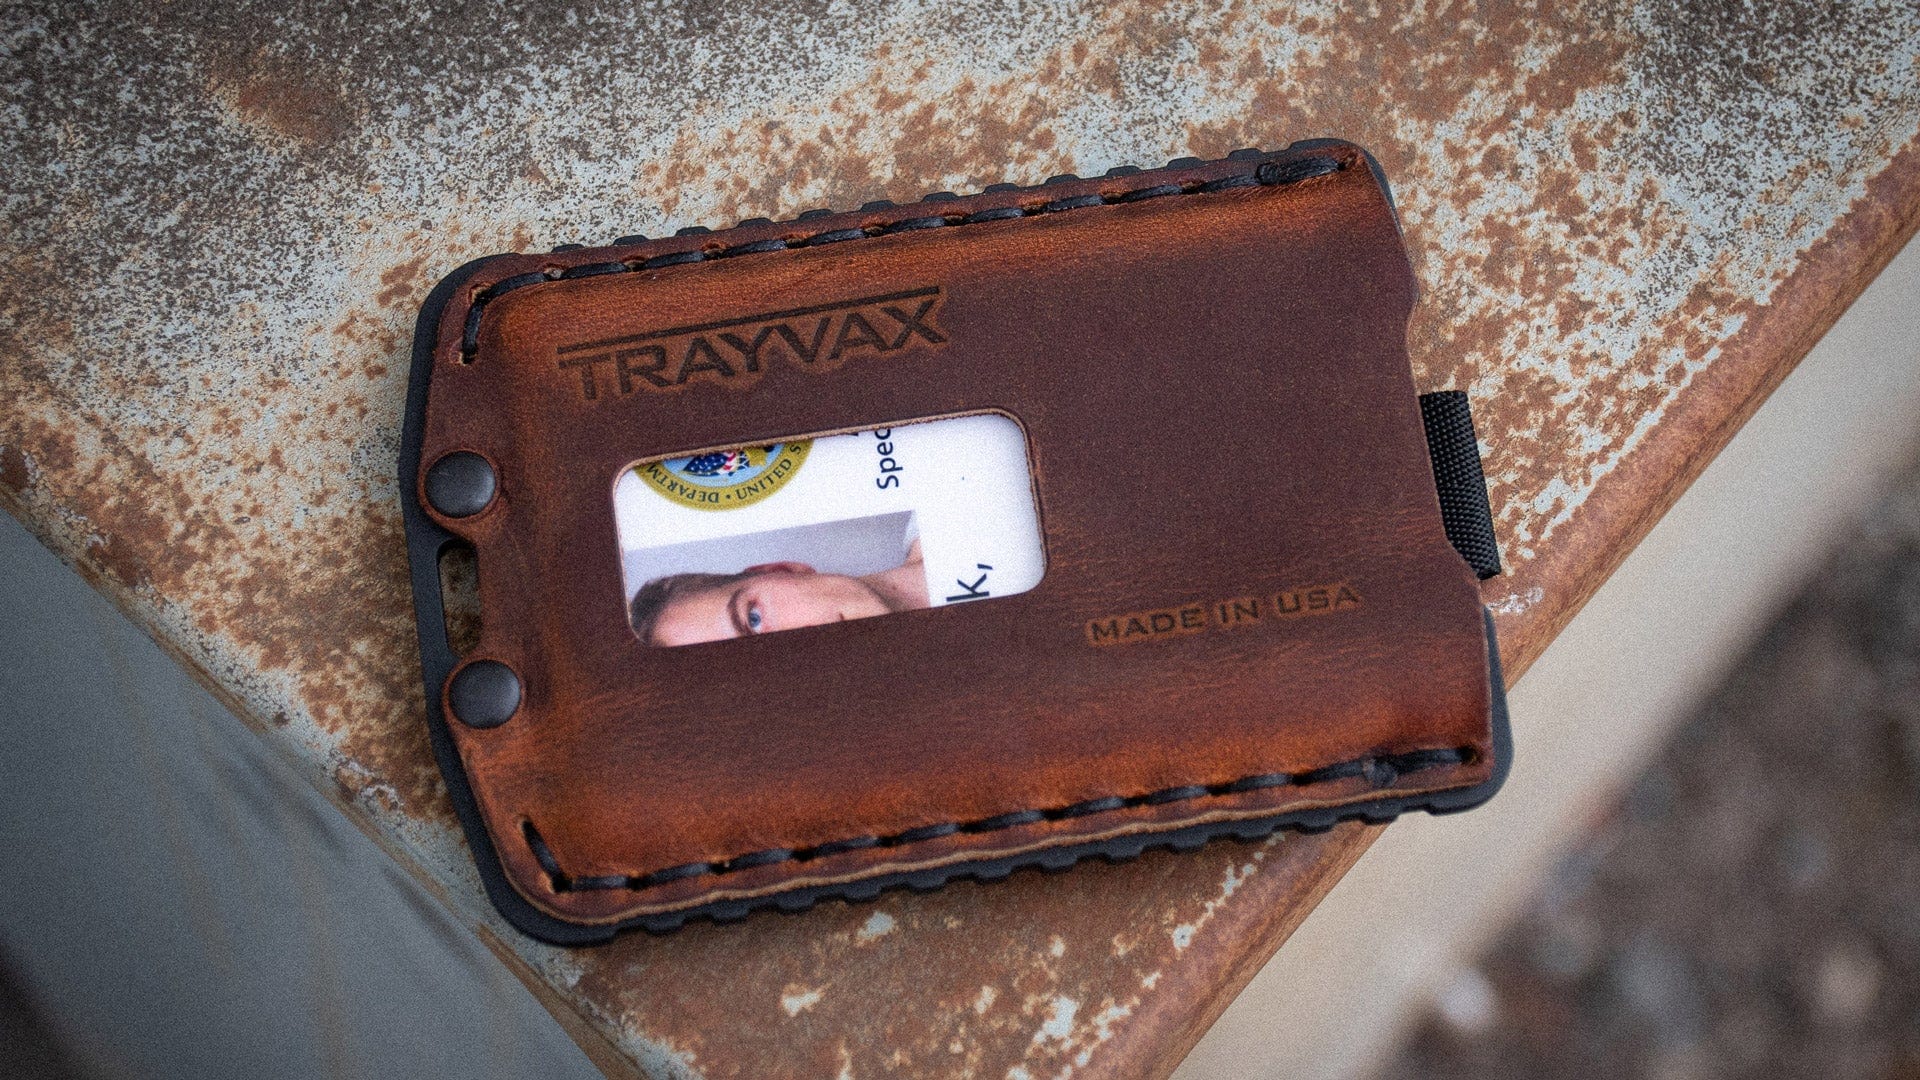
{"x": 1175, "y": 794}
{"x": 911, "y": 224}
{"x": 776, "y": 244}
{"x": 674, "y": 259}
{"x": 1257, "y": 783}
{"x": 1345, "y": 770}
{"x": 832, "y": 237}
{"x": 507, "y": 285}
{"x": 1292, "y": 172}
{"x": 470, "y": 336}
{"x": 1268, "y": 173}
{"x": 1380, "y": 773}
{"x": 924, "y": 832}
{"x": 759, "y": 858}
{"x": 1004, "y": 821}
{"x": 675, "y": 873}
{"x": 998, "y": 213}
{"x": 1226, "y": 183}
{"x": 1421, "y": 759}
{"x": 588, "y": 884}
{"x": 1073, "y": 202}
{"x": 1154, "y": 192}
{"x": 543, "y": 855}
{"x": 1091, "y": 806}
{"x": 1380, "y": 770}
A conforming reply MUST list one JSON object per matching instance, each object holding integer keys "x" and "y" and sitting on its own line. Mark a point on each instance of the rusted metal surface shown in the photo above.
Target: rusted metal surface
{"x": 1629, "y": 222}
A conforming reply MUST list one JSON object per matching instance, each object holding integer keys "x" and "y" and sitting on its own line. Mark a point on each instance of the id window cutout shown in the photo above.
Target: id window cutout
{"x": 777, "y": 536}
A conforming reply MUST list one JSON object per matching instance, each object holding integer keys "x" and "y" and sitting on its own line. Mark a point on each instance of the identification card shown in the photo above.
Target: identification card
{"x": 777, "y": 536}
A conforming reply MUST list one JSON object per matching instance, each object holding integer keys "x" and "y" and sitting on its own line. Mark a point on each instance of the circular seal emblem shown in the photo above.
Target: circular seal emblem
{"x": 726, "y": 479}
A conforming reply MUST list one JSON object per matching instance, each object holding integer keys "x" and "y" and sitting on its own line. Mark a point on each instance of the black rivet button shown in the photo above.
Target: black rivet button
{"x": 460, "y": 484}
{"x": 484, "y": 694}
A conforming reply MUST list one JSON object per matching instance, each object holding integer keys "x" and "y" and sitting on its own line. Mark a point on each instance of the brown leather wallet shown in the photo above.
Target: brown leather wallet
{"x": 1252, "y": 612}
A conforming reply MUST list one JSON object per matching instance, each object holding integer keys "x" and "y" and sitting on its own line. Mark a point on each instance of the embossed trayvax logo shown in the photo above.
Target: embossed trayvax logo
{"x": 736, "y": 351}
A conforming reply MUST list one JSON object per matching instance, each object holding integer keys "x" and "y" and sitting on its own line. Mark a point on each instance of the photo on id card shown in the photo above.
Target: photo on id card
{"x": 777, "y": 536}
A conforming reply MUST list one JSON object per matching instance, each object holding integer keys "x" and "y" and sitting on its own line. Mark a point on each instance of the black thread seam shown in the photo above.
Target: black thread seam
{"x": 1267, "y": 174}
{"x": 1381, "y": 771}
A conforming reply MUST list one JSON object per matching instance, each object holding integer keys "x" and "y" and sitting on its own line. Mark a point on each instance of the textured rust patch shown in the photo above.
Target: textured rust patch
{"x": 1831, "y": 272}
{"x": 13, "y": 469}
{"x": 1626, "y": 219}
{"x": 287, "y": 106}
{"x": 401, "y": 286}
{"x": 120, "y": 561}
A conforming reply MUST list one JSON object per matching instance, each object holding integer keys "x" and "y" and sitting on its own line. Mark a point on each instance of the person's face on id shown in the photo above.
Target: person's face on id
{"x": 760, "y": 600}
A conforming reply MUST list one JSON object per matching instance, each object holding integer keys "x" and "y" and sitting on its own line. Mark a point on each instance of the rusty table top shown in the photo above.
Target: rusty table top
{"x": 1629, "y": 223}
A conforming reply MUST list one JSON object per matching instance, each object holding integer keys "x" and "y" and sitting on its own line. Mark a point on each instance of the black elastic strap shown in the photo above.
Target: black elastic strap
{"x": 1458, "y": 479}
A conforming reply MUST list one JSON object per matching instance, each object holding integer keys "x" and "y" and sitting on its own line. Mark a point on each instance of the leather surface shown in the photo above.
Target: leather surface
{"x": 1210, "y": 367}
